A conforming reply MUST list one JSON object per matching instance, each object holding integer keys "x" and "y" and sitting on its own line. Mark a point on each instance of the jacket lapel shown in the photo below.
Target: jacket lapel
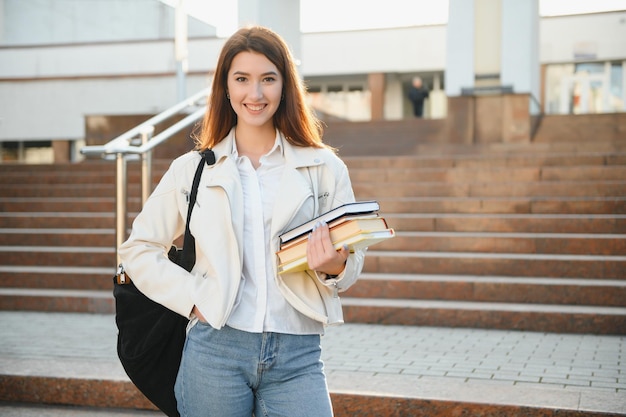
{"x": 295, "y": 186}
{"x": 224, "y": 174}
{"x": 294, "y": 191}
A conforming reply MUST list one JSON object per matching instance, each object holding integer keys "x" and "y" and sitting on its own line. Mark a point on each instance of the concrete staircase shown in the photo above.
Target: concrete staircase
{"x": 520, "y": 237}
{"x": 496, "y": 236}
{"x": 523, "y": 238}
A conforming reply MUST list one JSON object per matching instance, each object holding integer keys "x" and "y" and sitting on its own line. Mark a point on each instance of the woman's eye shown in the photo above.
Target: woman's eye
{"x": 240, "y": 79}
{"x": 269, "y": 79}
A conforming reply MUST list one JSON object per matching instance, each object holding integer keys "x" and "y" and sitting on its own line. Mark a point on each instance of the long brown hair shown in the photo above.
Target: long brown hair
{"x": 293, "y": 117}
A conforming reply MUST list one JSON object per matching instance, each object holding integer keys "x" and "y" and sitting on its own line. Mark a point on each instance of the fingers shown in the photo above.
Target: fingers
{"x": 321, "y": 254}
{"x": 322, "y": 238}
{"x": 198, "y": 314}
{"x": 344, "y": 252}
{"x": 320, "y": 244}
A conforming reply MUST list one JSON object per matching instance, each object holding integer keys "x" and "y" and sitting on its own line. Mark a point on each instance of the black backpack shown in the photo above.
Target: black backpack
{"x": 151, "y": 337}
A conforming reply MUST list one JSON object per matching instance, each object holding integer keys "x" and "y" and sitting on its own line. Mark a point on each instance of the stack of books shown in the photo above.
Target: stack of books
{"x": 357, "y": 225}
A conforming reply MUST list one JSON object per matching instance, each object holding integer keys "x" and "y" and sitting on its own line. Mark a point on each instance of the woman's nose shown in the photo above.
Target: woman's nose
{"x": 256, "y": 91}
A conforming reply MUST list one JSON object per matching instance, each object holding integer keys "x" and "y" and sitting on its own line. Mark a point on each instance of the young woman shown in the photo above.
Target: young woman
{"x": 253, "y": 341}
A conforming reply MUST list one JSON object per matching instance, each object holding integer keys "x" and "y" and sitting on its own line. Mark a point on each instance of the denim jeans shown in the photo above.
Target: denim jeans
{"x": 232, "y": 373}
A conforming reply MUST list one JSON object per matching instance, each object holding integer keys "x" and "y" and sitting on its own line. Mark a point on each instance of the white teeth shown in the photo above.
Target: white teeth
{"x": 255, "y": 108}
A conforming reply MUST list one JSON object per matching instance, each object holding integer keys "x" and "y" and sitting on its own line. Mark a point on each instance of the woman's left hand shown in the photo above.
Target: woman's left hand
{"x": 320, "y": 253}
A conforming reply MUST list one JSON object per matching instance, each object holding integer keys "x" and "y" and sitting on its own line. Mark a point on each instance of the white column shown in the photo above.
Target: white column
{"x": 487, "y": 41}
{"x": 2, "y": 25}
{"x": 460, "y": 47}
{"x": 520, "y": 48}
{"x": 393, "y": 108}
{"x": 180, "y": 49}
{"x": 282, "y": 16}
{"x": 623, "y": 86}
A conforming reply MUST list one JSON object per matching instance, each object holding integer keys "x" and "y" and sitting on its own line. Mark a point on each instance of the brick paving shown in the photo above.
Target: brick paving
{"x": 562, "y": 361}
{"x": 479, "y": 365}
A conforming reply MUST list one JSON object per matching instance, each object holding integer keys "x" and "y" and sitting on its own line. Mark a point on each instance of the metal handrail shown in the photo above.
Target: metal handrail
{"x": 123, "y": 143}
{"x": 535, "y": 128}
{"x": 140, "y": 141}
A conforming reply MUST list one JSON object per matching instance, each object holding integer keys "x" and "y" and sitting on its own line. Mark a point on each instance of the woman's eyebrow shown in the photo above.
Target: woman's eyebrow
{"x": 246, "y": 73}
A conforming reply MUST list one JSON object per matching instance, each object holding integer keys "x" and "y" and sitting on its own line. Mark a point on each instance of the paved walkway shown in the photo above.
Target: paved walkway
{"x": 581, "y": 372}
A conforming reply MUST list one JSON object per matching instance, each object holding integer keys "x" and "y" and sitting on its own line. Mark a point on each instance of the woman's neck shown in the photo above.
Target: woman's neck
{"x": 254, "y": 142}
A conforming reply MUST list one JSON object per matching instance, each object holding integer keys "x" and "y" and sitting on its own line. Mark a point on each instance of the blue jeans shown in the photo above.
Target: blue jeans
{"x": 232, "y": 373}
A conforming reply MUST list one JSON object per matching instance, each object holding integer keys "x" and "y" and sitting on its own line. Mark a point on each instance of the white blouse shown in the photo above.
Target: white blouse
{"x": 260, "y": 306}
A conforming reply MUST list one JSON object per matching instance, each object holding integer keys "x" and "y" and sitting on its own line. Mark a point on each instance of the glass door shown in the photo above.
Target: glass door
{"x": 598, "y": 87}
{"x": 584, "y": 93}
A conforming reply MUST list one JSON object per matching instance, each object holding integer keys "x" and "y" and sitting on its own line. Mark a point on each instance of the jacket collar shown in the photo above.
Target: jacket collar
{"x": 296, "y": 156}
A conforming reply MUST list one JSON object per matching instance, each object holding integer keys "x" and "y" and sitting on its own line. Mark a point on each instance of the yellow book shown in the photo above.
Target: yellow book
{"x": 348, "y": 209}
{"x": 336, "y": 222}
{"x": 359, "y": 241}
{"x": 338, "y": 232}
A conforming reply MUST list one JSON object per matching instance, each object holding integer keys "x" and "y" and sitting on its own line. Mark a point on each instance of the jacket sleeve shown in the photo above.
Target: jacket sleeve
{"x": 354, "y": 264}
{"x": 144, "y": 253}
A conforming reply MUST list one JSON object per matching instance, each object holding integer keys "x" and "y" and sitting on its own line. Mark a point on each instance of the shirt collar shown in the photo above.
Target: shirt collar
{"x": 273, "y": 156}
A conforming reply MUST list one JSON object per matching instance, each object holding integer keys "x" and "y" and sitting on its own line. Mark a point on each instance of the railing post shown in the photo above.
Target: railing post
{"x": 146, "y": 165}
{"x": 121, "y": 212}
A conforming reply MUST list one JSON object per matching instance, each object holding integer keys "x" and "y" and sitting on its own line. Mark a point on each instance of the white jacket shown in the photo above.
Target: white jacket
{"x": 314, "y": 181}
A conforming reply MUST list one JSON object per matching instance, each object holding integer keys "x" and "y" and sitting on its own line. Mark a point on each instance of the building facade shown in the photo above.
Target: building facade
{"x": 63, "y": 62}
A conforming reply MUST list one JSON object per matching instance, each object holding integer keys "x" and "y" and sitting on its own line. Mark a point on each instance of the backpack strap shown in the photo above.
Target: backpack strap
{"x": 188, "y": 256}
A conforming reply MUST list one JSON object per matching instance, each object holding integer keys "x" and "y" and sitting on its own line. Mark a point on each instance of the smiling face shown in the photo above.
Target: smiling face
{"x": 255, "y": 87}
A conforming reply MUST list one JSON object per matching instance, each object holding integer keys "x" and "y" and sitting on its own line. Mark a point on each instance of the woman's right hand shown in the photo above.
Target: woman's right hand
{"x": 198, "y": 314}
{"x": 321, "y": 254}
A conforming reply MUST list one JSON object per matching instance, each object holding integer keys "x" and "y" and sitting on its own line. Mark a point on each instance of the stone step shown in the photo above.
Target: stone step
{"x": 57, "y": 300}
{"x": 52, "y": 205}
{"x": 539, "y": 243}
{"x": 49, "y": 397}
{"x": 512, "y": 223}
{"x": 83, "y": 237}
{"x": 62, "y": 190}
{"x": 501, "y": 190}
{"x": 514, "y": 289}
{"x": 408, "y": 183}
{"x": 539, "y": 205}
{"x": 58, "y": 277}
{"x": 527, "y": 317}
{"x": 533, "y": 289}
{"x": 33, "y": 219}
{"x": 502, "y": 289}
{"x": 95, "y": 164}
{"x": 488, "y": 174}
{"x": 498, "y": 264}
{"x": 556, "y": 243}
{"x": 36, "y": 408}
{"x": 604, "y": 188}
{"x": 584, "y": 173}
{"x": 493, "y": 205}
{"x": 444, "y": 155}
{"x": 62, "y": 175}
{"x": 57, "y": 256}
{"x": 401, "y": 138}
{"x": 98, "y": 388}
{"x": 459, "y": 167}
{"x": 428, "y": 222}
{"x": 408, "y": 262}
{"x": 492, "y": 315}
{"x": 504, "y": 159}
